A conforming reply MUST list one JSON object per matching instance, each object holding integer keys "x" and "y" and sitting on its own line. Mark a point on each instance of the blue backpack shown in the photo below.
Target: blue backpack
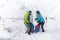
{"x": 32, "y": 27}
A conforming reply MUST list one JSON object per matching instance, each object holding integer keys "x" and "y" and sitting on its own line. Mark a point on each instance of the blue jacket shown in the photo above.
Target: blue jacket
{"x": 40, "y": 18}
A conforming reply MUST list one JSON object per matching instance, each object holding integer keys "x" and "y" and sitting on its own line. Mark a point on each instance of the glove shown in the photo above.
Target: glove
{"x": 35, "y": 18}
{"x": 29, "y": 23}
{"x": 38, "y": 21}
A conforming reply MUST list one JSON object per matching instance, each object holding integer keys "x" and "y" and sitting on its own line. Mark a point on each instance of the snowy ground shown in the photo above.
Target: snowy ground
{"x": 18, "y": 32}
{"x": 11, "y": 19}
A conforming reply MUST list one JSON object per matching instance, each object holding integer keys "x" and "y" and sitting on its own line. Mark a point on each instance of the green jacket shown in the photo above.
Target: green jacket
{"x": 26, "y": 18}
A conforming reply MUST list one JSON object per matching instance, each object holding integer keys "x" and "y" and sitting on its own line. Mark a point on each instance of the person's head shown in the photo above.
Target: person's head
{"x": 37, "y": 13}
{"x": 30, "y": 12}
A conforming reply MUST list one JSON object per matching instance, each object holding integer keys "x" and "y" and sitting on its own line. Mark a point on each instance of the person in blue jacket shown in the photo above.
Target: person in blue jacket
{"x": 40, "y": 20}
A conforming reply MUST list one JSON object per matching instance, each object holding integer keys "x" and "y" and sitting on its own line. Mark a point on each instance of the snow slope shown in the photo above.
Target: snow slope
{"x": 11, "y": 19}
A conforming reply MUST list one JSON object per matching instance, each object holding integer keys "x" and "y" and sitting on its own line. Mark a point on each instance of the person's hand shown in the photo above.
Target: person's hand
{"x": 38, "y": 21}
{"x": 29, "y": 23}
{"x": 35, "y": 18}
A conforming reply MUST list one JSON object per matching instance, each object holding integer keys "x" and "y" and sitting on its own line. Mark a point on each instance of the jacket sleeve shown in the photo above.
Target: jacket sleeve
{"x": 27, "y": 18}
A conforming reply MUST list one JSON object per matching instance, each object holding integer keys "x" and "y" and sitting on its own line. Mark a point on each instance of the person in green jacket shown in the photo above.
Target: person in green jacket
{"x": 28, "y": 21}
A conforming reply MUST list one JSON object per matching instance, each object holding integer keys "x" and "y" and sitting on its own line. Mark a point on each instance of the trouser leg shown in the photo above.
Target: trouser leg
{"x": 29, "y": 29}
{"x": 42, "y": 26}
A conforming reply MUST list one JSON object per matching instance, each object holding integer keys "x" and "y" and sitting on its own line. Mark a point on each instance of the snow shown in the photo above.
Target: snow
{"x": 11, "y": 19}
